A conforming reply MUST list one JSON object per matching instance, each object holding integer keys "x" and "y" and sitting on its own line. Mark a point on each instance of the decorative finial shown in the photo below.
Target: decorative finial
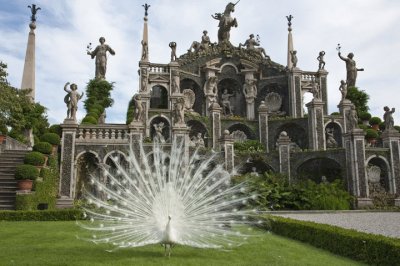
{"x": 289, "y": 18}
{"x": 146, "y": 8}
{"x": 34, "y": 10}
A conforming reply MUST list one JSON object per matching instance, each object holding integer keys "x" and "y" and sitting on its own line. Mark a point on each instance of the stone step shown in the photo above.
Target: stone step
{"x": 7, "y": 207}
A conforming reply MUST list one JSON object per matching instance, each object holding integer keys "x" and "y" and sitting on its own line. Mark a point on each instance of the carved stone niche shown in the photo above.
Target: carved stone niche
{"x": 239, "y": 136}
{"x": 374, "y": 173}
{"x": 273, "y": 101}
{"x": 189, "y": 97}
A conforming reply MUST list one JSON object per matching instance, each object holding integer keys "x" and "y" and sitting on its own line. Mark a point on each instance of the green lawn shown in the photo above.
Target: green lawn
{"x": 55, "y": 243}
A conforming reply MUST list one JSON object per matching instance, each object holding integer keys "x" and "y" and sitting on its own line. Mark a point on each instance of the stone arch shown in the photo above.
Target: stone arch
{"x": 336, "y": 129}
{"x": 281, "y": 106}
{"x": 158, "y": 97}
{"x": 199, "y": 103}
{"x": 256, "y": 166}
{"x": 316, "y": 168}
{"x": 244, "y": 128}
{"x": 296, "y": 133}
{"x": 384, "y": 183}
{"x": 108, "y": 162}
{"x": 198, "y": 127}
{"x": 237, "y": 100}
{"x": 86, "y": 164}
{"x": 229, "y": 68}
{"x": 166, "y": 132}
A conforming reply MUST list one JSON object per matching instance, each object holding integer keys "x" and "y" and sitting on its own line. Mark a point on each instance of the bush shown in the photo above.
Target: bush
{"x": 397, "y": 128}
{"x": 375, "y": 120}
{"x": 89, "y": 120}
{"x": 46, "y": 215}
{"x": 372, "y": 249}
{"x": 371, "y": 133}
{"x": 55, "y": 129}
{"x": 365, "y": 116}
{"x": 26, "y": 171}
{"x": 248, "y": 146}
{"x": 51, "y": 138}
{"x": 335, "y": 113}
{"x": 34, "y": 158}
{"x": 43, "y": 147}
{"x": 363, "y": 127}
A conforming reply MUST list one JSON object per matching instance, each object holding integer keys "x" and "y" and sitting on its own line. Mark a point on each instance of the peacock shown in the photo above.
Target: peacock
{"x": 162, "y": 196}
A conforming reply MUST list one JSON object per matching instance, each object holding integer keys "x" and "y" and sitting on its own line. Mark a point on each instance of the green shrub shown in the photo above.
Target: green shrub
{"x": 363, "y": 127}
{"x": 26, "y": 171}
{"x": 248, "y": 146}
{"x": 335, "y": 113}
{"x": 89, "y": 120}
{"x": 371, "y": 134}
{"x": 46, "y": 215}
{"x": 34, "y": 158}
{"x": 365, "y": 116}
{"x": 397, "y": 128}
{"x": 98, "y": 92}
{"x": 372, "y": 249}
{"x": 51, "y": 138}
{"x": 55, "y": 129}
{"x": 375, "y": 120}
{"x": 43, "y": 147}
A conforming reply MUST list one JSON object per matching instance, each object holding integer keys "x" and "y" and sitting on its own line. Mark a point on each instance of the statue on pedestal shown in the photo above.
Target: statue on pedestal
{"x": 351, "y": 69}
{"x": 251, "y": 44}
{"x": 250, "y": 90}
{"x": 101, "y": 57}
{"x": 343, "y": 89}
{"x": 294, "y": 58}
{"x": 352, "y": 118}
{"x": 226, "y": 104}
{"x": 143, "y": 80}
{"x": 179, "y": 111}
{"x": 321, "y": 62}
{"x": 316, "y": 90}
{"x": 71, "y": 99}
{"x": 139, "y": 110}
{"x": 388, "y": 118}
{"x": 211, "y": 88}
{"x": 201, "y": 46}
{"x": 172, "y": 45}
{"x": 225, "y": 22}
{"x": 158, "y": 136}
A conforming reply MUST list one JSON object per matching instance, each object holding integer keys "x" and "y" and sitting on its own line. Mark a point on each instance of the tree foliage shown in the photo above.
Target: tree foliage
{"x": 359, "y": 98}
{"x": 98, "y": 93}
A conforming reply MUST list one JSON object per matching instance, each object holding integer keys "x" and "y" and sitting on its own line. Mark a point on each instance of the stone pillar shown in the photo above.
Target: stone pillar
{"x": 284, "y": 153}
{"x": 321, "y": 78}
{"x": 181, "y": 133}
{"x": 215, "y": 115}
{"x": 174, "y": 78}
{"x": 28, "y": 76}
{"x": 391, "y": 140}
{"x": 295, "y": 94}
{"x": 67, "y": 166}
{"x": 344, "y": 109}
{"x": 228, "y": 149}
{"x": 250, "y": 99}
{"x": 354, "y": 144}
{"x": 136, "y": 129}
{"x": 263, "y": 124}
{"x": 316, "y": 134}
{"x": 210, "y": 72}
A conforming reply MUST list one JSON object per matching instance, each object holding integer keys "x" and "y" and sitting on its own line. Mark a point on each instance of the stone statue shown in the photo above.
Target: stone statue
{"x": 351, "y": 69}
{"x": 71, "y": 99}
{"x": 101, "y": 58}
{"x": 143, "y": 80}
{"x": 254, "y": 171}
{"x": 34, "y": 11}
{"x": 197, "y": 141}
{"x": 321, "y": 62}
{"x": 145, "y": 50}
{"x": 251, "y": 44}
{"x": 203, "y": 45}
{"x": 175, "y": 82}
{"x": 139, "y": 110}
{"x": 343, "y": 89}
{"x": 316, "y": 90}
{"x": 189, "y": 98}
{"x": 172, "y": 45}
{"x": 226, "y": 104}
{"x": 294, "y": 58}
{"x": 352, "y": 118}
{"x": 102, "y": 118}
{"x": 179, "y": 111}
{"x": 388, "y": 118}
{"x": 158, "y": 136}
{"x": 210, "y": 87}
{"x": 250, "y": 89}
{"x": 330, "y": 139}
{"x": 225, "y": 22}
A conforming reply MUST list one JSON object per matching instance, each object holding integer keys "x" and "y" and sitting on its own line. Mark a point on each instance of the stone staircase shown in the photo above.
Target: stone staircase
{"x": 9, "y": 159}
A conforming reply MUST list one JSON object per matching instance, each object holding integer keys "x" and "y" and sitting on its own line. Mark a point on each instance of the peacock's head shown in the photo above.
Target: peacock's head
{"x": 169, "y": 217}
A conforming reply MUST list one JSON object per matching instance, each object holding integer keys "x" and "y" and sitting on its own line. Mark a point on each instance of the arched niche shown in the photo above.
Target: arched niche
{"x": 317, "y": 168}
{"x": 333, "y": 130}
{"x": 275, "y": 98}
{"x": 255, "y": 167}
{"x": 378, "y": 180}
{"x": 237, "y": 100}
{"x": 200, "y": 102}
{"x": 158, "y": 97}
{"x": 198, "y": 127}
{"x": 239, "y": 127}
{"x": 166, "y": 129}
{"x": 87, "y": 165}
{"x": 296, "y": 133}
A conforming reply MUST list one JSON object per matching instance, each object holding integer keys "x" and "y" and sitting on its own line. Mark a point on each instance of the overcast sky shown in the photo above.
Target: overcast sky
{"x": 368, "y": 28}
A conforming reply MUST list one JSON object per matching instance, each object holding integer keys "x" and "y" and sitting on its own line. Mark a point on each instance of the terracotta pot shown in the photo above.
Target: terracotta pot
{"x": 376, "y": 127}
{"x": 2, "y": 138}
{"x": 54, "y": 150}
{"x": 25, "y": 184}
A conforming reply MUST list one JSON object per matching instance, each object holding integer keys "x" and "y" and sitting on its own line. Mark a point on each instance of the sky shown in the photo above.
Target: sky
{"x": 368, "y": 28}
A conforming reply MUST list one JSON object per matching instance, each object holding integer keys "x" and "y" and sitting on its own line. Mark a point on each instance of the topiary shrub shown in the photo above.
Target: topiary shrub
{"x": 55, "y": 129}
{"x": 248, "y": 146}
{"x": 26, "y": 171}
{"x": 51, "y": 138}
{"x": 89, "y": 120}
{"x": 98, "y": 92}
{"x": 335, "y": 113}
{"x": 365, "y": 116}
{"x": 34, "y": 158}
{"x": 375, "y": 120}
{"x": 43, "y": 147}
{"x": 371, "y": 133}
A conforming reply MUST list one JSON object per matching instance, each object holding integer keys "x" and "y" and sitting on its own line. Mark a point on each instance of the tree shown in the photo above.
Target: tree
{"x": 359, "y": 98}
{"x": 17, "y": 112}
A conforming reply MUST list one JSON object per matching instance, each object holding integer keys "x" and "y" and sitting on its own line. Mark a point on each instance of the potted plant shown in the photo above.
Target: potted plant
{"x": 53, "y": 139}
{"x": 26, "y": 174}
{"x": 35, "y": 158}
{"x": 371, "y": 136}
{"x": 374, "y": 122}
{"x": 365, "y": 117}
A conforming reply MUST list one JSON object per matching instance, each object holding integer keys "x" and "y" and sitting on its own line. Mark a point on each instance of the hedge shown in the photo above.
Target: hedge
{"x": 369, "y": 248}
{"x": 26, "y": 171}
{"x": 51, "y": 138}
{"x": 43, "y": 147}
{"x": 34, "y": 158}
{"x": 47, "y": 215}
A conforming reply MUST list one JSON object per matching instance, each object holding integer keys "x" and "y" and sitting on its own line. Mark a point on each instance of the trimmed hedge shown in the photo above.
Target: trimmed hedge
{"x": 371, "y": 133}
{"x": 51, "y": 138}
{"x": 34, "y": 158}
{"x": 369, "y": 248}
{"x": 48, "y": 215}
{"x": 375, "y": 120}
{"x": 26, "y": 171}
{"x": 43, "y": 147}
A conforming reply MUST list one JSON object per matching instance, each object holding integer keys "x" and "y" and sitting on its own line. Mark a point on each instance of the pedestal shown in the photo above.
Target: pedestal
{"x": 284, "y": 154}
{"x": 215, "y": 115}
{"x": 228, "y": 149}
{"x": 263, "y": 124}
{"x": 344, "y": 109}
{"x": 316, "y": 133}
{"x": 391, "y": 140}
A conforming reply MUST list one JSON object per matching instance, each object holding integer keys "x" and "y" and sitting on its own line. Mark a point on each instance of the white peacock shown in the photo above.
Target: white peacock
{"x": 165, "y": 197}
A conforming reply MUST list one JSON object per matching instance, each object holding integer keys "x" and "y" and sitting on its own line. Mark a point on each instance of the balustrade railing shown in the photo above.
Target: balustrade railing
{"x": 8, "y": 143}
{"x": 100, "y": 133}
{"x": 159, "y": 68}
{"x": 309, "y": 76}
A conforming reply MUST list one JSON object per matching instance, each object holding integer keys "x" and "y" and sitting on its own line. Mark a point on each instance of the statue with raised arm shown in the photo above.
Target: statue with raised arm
{"x": 321, "y": 62}
{"x": 388, "y": 118}
{"x": 158, "y": 136}
{"x": 226, "y": 22}
{"x": 351, "y": 69}
{"x": 226, "y": 103}
{"x": 343, "y": 89}
{"x": 101, "y": 57}
{"x": 251, "y": 44}
{"x": 250, "y": 89}
{"x": 71, "y": 99}
{"x": 179, "y": 111}
{"x": 138, "y": 116}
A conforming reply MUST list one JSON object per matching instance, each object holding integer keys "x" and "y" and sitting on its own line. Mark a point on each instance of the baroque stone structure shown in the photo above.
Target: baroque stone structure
{"x": 188, "y": 99}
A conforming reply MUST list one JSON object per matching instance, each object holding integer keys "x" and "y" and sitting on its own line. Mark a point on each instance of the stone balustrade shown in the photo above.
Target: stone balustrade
{"x": 102, "y": 133}
{"x": 159, "y": 68}
{"x": 309, "y": 76}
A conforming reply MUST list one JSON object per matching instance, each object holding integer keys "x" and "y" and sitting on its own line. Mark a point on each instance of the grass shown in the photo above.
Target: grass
{"x": 55, "y": 243}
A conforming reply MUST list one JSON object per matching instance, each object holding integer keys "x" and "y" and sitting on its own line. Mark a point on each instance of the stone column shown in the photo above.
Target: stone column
{"x": 250, "y": 99}
{"x": 354, "y": 144}
{"x": 263, "y": 124}
{"x": 136, "y": 129}
{"x": 322, "y": 80}
{"x": 284, "y": 153}
{"x": 181, "y": 133}
{"x": 228, "y": 149}
{"x": 215, "y": 115}
{"x": 344, "y": 109}
{"x": 67, "y": 166}
{"x": 316, "y": 134}
{"x": 391, "y": 140}
{"x": 210, "y": 72}
{"x": 295, "y": 95}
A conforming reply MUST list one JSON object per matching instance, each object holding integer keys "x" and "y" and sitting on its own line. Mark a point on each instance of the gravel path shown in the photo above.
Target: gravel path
{"x": 381, "y": 223}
